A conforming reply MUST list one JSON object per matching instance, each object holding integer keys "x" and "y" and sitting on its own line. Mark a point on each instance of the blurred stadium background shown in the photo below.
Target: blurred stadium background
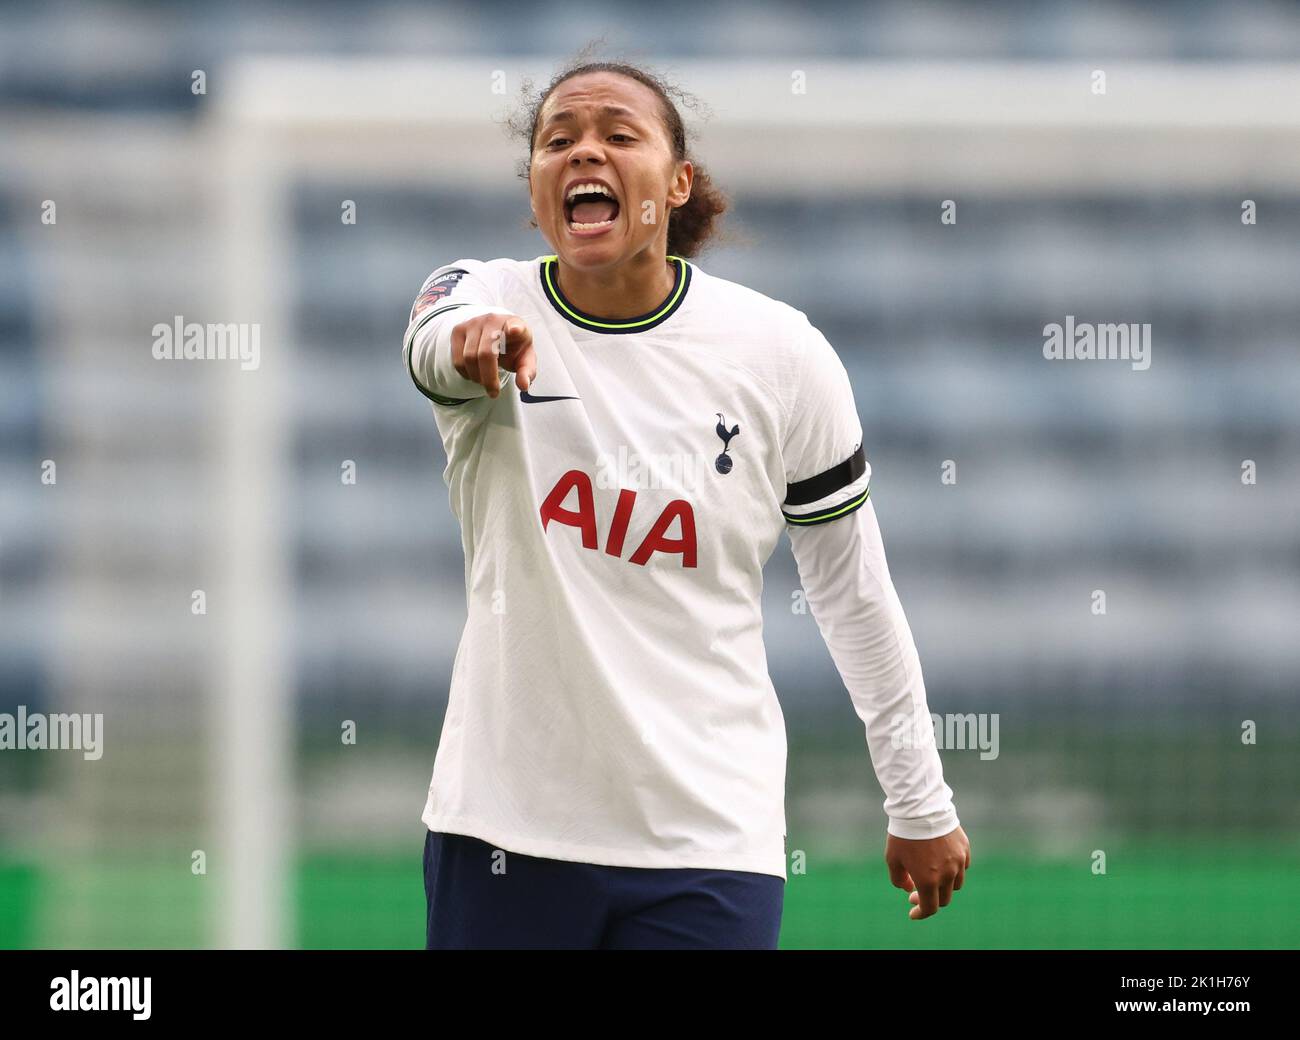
{"x": 330, "y": 602}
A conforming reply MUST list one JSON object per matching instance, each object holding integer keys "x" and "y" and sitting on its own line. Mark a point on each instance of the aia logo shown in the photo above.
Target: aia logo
{"x": 584, "y": 519}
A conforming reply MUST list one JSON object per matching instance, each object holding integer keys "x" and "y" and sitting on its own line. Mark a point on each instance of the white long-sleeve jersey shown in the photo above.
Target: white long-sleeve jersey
{"x": 610, "y": 701}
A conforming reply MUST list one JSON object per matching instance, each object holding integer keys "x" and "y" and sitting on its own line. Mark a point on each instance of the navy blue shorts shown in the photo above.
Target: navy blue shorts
{"x": 558, "y": 904}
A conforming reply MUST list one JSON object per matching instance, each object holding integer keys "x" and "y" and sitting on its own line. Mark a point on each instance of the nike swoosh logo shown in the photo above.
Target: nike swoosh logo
{"x": 524, "y": 395}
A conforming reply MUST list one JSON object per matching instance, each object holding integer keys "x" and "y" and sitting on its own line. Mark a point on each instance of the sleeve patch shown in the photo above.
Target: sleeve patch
{"x": 437, "y": 289}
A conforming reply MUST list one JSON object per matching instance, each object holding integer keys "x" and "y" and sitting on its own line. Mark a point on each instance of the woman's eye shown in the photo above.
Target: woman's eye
{"x": 565, "y": 140}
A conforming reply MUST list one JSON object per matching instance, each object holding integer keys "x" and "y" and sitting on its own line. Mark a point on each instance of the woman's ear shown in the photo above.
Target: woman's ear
{"x": 684, "y": 180}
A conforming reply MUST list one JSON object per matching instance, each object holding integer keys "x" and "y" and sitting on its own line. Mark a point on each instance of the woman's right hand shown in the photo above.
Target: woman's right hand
{"x": 476, "y": 351}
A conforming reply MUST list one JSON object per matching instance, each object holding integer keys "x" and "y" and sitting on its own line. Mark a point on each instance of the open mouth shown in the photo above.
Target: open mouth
{"x": 590, "y": 211}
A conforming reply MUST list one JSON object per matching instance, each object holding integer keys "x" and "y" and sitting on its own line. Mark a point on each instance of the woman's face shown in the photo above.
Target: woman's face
{"x": 606, "y": 127}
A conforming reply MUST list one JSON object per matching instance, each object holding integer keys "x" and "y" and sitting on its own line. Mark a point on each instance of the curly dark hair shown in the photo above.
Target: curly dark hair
{"x": 691, "y": 226}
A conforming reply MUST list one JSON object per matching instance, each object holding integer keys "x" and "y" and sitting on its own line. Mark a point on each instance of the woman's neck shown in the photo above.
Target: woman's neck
{"x": 627, "y": 291}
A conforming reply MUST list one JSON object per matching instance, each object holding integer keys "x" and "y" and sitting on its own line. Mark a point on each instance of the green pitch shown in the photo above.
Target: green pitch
{"x": 1168, "y": 896}
{"x": 1172, "y": 895}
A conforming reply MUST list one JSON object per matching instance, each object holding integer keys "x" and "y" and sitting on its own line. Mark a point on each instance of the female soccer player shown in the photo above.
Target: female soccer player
{"x": 611, "y": 772}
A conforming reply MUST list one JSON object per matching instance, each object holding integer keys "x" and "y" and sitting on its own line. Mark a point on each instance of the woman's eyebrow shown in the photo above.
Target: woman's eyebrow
{"x": 614, "y": 111}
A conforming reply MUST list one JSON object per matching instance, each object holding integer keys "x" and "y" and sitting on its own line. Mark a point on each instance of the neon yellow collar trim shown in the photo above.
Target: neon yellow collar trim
{"x": 613, "y": 326}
